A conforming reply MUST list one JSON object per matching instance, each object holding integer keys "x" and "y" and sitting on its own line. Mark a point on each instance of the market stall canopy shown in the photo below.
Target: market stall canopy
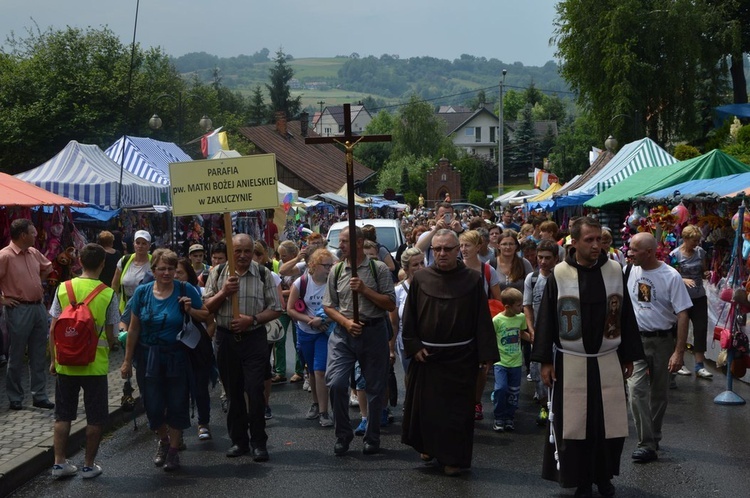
{"x": 505, "y": 199}
{"x": 715, "y": 164}
{"x": 344, "y": 192}
{"x": 546, "y": 194}
{"x": 225, "y": 154}
{"x": 729, "y": 111}
{"x": 16, "y": 192}
{"x": 725, "y": 186}
{"x": 146, "y": 157}
{"x": 633, "y": 157}
{"x": 580, "y": 180}
{"x": 84, "y": 173}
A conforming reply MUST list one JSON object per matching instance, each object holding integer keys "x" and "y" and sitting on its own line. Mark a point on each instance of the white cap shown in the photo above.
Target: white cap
{"x": 142, "y": 234}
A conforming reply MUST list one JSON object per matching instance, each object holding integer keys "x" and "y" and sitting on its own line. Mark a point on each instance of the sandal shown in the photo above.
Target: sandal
{"x": 204, "y": 434}
{"x": 278, "y": 378}
{"x": 296, "y": 378}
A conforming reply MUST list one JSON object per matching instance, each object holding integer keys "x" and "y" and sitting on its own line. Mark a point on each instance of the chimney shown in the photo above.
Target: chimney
{"x": 281, "y": 123}
{"x": 303, "y": 123}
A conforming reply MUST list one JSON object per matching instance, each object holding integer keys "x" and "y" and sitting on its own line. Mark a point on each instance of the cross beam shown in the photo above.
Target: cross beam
{"x": 349, "y": 141}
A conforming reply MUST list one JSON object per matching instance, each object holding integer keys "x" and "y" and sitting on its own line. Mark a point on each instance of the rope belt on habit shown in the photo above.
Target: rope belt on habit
{"x": 446, "y": 344}
{"x": 584, "y": 355}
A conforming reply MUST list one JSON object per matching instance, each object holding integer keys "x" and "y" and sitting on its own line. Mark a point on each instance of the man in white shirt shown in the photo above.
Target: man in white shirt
{"x": 660, "y": 302}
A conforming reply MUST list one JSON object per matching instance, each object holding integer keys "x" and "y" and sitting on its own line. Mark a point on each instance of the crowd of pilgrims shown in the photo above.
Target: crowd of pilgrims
{"x": 512, "y": 257}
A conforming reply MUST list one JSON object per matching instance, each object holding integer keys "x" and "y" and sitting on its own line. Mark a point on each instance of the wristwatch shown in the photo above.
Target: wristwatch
{"x": 255, "y": 321}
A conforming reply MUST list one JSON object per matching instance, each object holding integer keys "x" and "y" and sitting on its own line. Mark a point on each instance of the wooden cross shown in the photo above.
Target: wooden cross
{"x": 349, "y": 141}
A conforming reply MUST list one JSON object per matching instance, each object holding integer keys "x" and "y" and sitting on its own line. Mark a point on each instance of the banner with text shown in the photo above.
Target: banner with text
{"x": 224, "y": 185}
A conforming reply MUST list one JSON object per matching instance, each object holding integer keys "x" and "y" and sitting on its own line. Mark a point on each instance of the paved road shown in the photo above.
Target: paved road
{"x": 704, "y": 453}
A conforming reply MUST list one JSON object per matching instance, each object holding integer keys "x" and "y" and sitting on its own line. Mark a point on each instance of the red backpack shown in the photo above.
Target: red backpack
{"x": 75, "y": 334}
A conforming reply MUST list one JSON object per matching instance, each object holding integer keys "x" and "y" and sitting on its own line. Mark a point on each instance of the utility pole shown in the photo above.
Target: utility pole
{"x": 501, "y": 141}
{"x": 320, "y": 117}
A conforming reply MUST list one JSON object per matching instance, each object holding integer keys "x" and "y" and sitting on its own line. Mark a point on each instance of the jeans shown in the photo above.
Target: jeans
{"x": 507, "y": 389}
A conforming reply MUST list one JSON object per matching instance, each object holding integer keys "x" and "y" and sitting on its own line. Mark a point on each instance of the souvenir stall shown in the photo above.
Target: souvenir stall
{"x": 57, "y": 237}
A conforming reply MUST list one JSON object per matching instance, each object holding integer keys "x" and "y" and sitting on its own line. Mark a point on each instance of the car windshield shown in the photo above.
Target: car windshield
{"x": 386, "y": 236}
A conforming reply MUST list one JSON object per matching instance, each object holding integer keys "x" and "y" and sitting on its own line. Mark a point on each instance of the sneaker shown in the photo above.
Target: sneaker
{"x": 173, "y": 461}
{"x": 306, "y": 385}
{"x": 313, "y": 412}
{"x": 478, "y": 412}
{"x": 703, "y": 373}
{"x": 498, "y": 426}
{"x": 161, "y": 453}
{"x": 361, "y": 428}
{"x": 204, "y": 433}
{"x": 509, "y": 427}
{"x": 353, "y": 401}
{"x": 91, "y": 472}
{"x": 268, "y": 415}
{"x": 65, "y": 469}
{"x": 384, "y": 418}
{"x": 325, "y": 420}
{"x": 684, "y": 371}
{"x": 528, "y": 378}
{"x": 543, "y": 416}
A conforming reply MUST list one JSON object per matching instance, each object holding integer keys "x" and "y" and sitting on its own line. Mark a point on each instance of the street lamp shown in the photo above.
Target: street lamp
{"x": 155, "y": 122}
{"x": 610, "y": 144}
{"x": 501, "y": 140}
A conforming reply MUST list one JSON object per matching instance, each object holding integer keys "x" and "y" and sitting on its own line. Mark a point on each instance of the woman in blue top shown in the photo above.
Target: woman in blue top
{"x": 157, "y": 319}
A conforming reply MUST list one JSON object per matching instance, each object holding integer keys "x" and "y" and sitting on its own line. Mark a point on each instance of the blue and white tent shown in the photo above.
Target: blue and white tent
{"x": 86, "y": 174}
{"x": 146, "y": 157}
{"x": 635, "y": 156}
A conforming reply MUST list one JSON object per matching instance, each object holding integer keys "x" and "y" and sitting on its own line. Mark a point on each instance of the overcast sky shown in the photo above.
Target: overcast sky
{"x": 509, "y": 30}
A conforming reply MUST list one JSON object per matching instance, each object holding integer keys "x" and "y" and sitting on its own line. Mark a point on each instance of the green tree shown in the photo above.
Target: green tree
{"x": 643, "y": 59}
{"x": 391, "y": 173}
{"x": 524, "y": 146}
{"x": 375, "y": 154}
{"x": 404, "y": 180}
{"x": 278, "y": 90}
{"x": 513, "y": 102}
{"x": 419, "y": 132}
{"x": 72, "y": 84}
{"x": 257, "y": 112}
{"x": 570, "y": 155}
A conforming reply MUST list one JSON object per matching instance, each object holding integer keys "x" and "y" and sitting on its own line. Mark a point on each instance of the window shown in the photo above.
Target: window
{"x": 492, "y": 151}
{"x": 341, "y": 128}
{"x": 478, "y": 134}
{"x": 327, "y": 131}
{"x": 469, "y": 131}
{"x": 444, "y": 177}
{"x": 493, "y": 132}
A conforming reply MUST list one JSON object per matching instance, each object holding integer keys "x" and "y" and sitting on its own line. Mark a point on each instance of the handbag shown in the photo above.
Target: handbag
{"x": 274, "y": 331}
{"x": 723, "y": 333}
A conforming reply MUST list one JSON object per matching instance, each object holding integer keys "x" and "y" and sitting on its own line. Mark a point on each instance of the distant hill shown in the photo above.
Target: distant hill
{"x": 388, "y": 79}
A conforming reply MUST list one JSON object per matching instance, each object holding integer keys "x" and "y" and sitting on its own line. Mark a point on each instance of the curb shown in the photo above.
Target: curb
{"x": 34, "y": 461}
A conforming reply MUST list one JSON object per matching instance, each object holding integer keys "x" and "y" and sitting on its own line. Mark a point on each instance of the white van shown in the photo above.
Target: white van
{"x": 388, "y": 232}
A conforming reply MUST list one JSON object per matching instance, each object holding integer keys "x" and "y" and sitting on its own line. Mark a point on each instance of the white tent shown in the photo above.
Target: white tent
{"x": 505, "y": 199}
{"x": 84, "y": 173}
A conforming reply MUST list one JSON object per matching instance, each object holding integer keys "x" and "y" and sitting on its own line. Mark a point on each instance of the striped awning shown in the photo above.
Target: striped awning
{"x": 84, "y": 173}
{"x": 146, "y": 157}
{"x": 635, "y": 156}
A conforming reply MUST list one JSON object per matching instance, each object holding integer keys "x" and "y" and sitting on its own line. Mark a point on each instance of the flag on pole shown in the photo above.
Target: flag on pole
{"x": 211, "y": 142}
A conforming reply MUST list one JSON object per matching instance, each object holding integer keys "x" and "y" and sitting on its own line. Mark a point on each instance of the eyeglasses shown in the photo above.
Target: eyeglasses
{"x": 165, "y": 269}
{"x": 443, "y": 248}
{"x": 507, "y": 245}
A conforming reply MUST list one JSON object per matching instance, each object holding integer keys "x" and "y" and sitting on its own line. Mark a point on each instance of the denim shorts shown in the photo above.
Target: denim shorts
{"x": 314, "y": 349}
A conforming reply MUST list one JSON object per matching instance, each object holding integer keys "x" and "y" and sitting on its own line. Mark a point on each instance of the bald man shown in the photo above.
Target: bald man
{"x": 661, "y": 304}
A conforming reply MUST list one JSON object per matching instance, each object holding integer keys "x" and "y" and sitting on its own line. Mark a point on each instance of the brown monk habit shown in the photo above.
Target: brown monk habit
{"x": 445, "y": 307}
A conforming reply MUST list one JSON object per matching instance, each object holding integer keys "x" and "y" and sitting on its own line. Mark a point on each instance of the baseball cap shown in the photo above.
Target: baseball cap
{"x": 195, "y": 247}
{"x": 142, "y": 234}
